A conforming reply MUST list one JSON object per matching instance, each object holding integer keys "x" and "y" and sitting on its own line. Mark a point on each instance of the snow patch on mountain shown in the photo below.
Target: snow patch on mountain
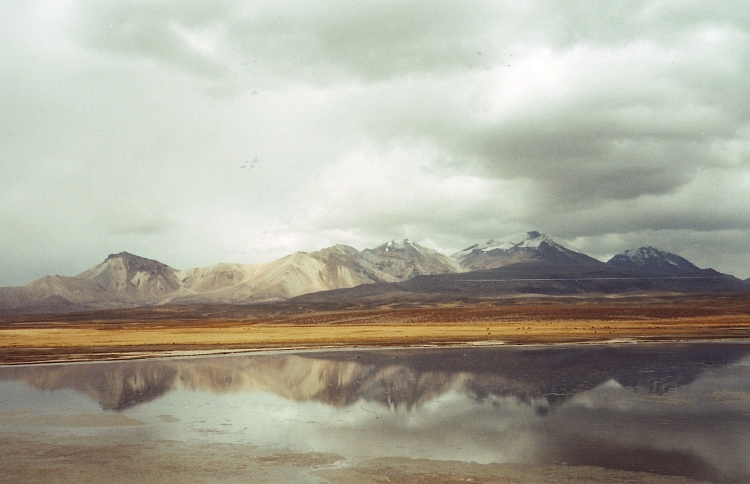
{"x": 404, "y": 259}
{"x": 528, "y": 240}
{"x": 652, "y": 261}
{"x": 399, "y": 245}
{"x": 517, "y": 248}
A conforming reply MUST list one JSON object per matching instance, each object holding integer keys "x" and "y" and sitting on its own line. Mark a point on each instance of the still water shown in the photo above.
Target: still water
{"x": 637, "y": 413}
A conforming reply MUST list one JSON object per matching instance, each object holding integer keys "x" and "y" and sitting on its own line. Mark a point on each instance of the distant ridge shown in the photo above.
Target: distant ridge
{"x": 528, "y": 263}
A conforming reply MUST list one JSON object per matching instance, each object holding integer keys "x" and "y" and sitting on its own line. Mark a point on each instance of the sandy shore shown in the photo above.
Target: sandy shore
{"x": 56, "y": 340}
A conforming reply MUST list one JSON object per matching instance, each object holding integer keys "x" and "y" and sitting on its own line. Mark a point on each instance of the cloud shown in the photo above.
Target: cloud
{"x": 336, "y": 40}
{"x": 125, "y": 123}
{"x": 322, "y": 42}
{"x": 184, "y": 35}
{"x": 399, "y": 191}
{"x": 569, "y": 122}
{"x": 141, "y": 224}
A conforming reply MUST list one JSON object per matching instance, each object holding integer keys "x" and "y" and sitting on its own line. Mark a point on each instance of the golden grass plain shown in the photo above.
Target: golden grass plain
{"x": 144, "y": 332}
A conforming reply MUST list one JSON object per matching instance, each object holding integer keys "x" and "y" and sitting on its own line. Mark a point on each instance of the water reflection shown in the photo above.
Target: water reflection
{"x": 681, "y": 410}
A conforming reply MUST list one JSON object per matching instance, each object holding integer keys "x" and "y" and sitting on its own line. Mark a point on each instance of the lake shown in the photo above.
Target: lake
{"x": 662, "y": 412}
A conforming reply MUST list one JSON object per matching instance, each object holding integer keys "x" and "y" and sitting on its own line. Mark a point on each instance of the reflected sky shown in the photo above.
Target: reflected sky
{"x": 670, "y": 409}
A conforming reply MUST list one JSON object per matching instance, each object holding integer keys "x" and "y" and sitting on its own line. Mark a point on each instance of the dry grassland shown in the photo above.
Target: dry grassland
{"x": 120, "y": 335}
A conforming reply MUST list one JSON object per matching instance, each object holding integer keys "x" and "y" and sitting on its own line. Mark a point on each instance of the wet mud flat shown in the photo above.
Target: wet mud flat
{"x": 98, "y": 460}
{"x": 87, "y": 461}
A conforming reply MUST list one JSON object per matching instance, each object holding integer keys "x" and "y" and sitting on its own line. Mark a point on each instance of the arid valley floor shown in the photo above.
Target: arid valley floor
{"x": 173, "y": 330}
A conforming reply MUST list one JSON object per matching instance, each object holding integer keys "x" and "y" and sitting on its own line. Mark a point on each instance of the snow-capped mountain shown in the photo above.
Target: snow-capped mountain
{"x": 523, "y": 263}
{"x": 405, "y": 259}
{"x": 651, "y": 261}
{"x": 518, "y": 248}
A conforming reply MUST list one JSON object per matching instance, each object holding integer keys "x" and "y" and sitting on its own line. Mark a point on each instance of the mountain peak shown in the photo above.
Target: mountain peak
{"x": 530, "y": 262}
{"x": 121, "y": 254}
{"x": 128, "y": 276}
{"x": 399, "y": 245}
{"x": 649, "y": 260}
{"x": 527, "y": 240}
{"x": 131, "y": 257}
{"x": 404, "y": 259}
{"x": 394, "y": 245}
{"x": 516, "y": 248}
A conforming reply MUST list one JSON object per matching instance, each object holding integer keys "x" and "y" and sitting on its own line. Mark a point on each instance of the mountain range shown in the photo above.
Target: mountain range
{"x": 532, "y": 263}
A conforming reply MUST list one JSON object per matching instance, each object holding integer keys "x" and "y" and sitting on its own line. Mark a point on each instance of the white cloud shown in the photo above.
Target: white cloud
{"x": 401, "y": 191}
{"x": 126, "y": 126}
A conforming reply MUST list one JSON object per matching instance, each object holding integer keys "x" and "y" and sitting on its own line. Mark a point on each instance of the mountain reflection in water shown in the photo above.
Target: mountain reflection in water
{"x": 671, "y": 409}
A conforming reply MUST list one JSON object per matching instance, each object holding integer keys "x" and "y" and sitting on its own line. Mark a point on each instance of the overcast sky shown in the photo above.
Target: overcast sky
{"x": 241, "y": 131}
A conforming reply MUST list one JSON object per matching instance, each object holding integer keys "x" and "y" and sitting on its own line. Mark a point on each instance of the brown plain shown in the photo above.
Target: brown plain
{"x": 164, "y": 330}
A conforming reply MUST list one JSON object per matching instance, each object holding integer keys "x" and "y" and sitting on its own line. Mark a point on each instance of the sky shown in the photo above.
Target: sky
{"x": 241, "y": 131}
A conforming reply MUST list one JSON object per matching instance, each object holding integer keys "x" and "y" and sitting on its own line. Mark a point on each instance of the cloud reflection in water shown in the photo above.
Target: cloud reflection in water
{"x": 669, "y": 409}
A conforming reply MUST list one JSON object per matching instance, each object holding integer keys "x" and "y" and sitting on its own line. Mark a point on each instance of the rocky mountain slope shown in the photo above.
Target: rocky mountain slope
{"x": 335, "y": 267}
{"x": 127, "y": 279}
{"x": 653, "y": 262}
{"x": 663, "y": 268}
{"x": 518, "y": 264}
